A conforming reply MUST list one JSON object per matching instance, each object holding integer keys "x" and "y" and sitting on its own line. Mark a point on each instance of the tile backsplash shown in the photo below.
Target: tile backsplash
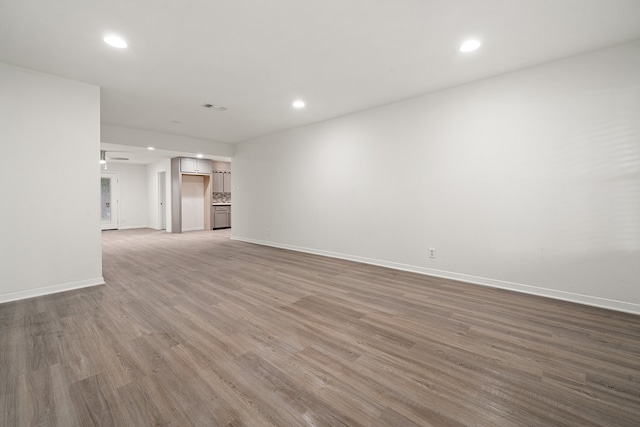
{"x": 221, "y": 198}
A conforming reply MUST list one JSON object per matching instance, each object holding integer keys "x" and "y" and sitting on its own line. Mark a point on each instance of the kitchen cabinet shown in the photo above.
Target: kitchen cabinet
{"x": 221, "y": 182}
{"x": 197, "y": 166}
{"x": 221, "y": 216}
{"x": 227, "y": 183}
{"x": 182, "y": 167}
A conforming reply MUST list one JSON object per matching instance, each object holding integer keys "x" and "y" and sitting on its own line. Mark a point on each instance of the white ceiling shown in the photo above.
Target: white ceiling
{"x": 255, "y": 56}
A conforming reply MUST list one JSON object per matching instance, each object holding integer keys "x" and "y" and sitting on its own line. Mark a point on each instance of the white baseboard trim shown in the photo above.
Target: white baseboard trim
{"x": 610, "y": 304}
{"x": 193, "y": 229}
{"x": 128, "y": 227}
{"x": 30, "y": 293}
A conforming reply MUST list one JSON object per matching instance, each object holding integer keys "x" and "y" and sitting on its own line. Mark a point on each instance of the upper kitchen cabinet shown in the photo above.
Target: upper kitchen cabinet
{"x": 221, "y": 177}
{"x": 227, "y": 183}
{"x": 197, "y": 166}
{"x": 221, "y": 182}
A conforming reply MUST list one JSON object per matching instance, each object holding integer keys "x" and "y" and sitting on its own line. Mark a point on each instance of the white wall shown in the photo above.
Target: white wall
{"x": 133, "y": 194}
{"x": 50, "y": 216}
{"x": 164, "y": 141}
{"x": 153, "y": 219}
{"x": 528, "y": 181}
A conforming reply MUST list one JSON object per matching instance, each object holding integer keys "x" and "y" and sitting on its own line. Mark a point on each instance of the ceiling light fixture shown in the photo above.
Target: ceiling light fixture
{"x": 298, "y": 104}
{"x": 115, "y": 41}
{"x": 199, "y": 156}
{"x": 470, "y": 45}
{"x": 151, "y": 148}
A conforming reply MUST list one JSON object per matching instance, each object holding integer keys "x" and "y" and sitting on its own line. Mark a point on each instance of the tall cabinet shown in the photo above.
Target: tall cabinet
{"x": 221, "y": 189}
{"x": 189, "y": 166}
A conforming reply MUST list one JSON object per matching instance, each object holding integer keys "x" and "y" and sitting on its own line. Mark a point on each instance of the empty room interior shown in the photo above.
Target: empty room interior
{"x": 329, "y": 213}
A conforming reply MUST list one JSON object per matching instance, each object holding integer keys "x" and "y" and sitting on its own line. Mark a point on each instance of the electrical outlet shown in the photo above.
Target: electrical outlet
{"x": 432, "y": 252}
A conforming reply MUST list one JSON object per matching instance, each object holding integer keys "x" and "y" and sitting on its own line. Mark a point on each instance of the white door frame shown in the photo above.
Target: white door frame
{"x": 115, "y": 201}
{"x": 162, "y": 200}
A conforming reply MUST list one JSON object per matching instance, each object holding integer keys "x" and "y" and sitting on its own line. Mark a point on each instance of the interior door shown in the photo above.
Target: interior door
{"x": 109, "y": 201}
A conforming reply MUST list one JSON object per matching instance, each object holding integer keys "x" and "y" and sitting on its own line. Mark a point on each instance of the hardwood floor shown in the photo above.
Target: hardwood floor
{"x": 196, "y": 329}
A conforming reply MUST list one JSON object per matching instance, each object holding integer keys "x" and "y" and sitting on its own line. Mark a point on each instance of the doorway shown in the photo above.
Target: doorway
{"x": 109, "y": 197}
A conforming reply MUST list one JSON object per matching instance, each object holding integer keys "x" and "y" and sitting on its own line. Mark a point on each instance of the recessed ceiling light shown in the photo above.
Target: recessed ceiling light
{"x": 115, "y": 41}
{"x": 470, "y": 45}
{"x": 298, "y": 104}
{"x": 199, "y": 156}
{"x": 151, "y": 148}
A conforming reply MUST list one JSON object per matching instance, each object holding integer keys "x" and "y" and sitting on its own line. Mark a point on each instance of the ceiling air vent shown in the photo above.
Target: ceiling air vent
{"x": 214, "y": 107}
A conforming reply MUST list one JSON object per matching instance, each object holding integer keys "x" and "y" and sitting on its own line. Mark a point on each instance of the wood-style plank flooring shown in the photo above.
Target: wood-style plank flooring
{"x": 198, "y": 330}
